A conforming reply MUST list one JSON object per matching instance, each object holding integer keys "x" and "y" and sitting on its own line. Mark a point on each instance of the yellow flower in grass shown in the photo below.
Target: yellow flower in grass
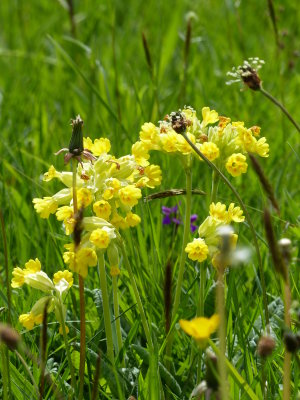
{"x": 45, "y": 206}
{"x": 66, "y": 275}
{"x": 132, "y": 219}
{"x": 183, "y": 146}
{"x": 200, "y": 328}
{"x": 113, "y": 186}
{"x": 31, "y": 267}
{"x": 234, "y": 214}
{"x": 210, "y": 150}
{"x": 102, "y": 209}
{"x": 60, "y": 330}
{"x": 236, "y": 164}
{"x": 65, "y": 213}
{"x": 85, "y": 257}
{"x": 153, "y": 175}
{"x": 197, "y": 250}
{"x": 209, "y": 116}
{"x": 29, "y": 320}
{"x": 100, "y": 238}
{"x": 99, "y": 146}
{"x": 129, "y": 195}
{"x": 84, "y": 197}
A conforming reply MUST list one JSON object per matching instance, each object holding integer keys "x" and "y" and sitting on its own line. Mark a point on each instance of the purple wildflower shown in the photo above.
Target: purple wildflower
{"x": 172, "y": 215}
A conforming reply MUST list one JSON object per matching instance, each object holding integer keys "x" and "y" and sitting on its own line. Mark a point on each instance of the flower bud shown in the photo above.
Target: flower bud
{"x": 285, "y": 248}
{"x": 291, "y": 341}
{"x": 265, "y": 346}
{"x": 76, "y": 142}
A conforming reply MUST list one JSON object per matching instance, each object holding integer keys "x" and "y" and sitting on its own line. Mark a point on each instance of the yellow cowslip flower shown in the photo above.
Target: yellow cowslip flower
{"x": 66, "y": 275}
{"x": 209, "y": 116}
{"x": 118, "y": 221}
{"x": 236, "y": 164}
{"x": 85, "y": 257}
{"x": 29, "y": 320}
{"x": 102, "y": 209}
{"x": 200, "y": 328}
{"x": 234, "y": 214}
{"x": 140, "y": 153}
{"x": 183, "y": 146}
{"x": 197, "y": 250}
{"x": 51, "y": 174}
{"x": 210, "y": 150}
{"x": 64, "y": 212}
{"x": 45, "y": 206}
{"x": 153, "y": 175}
{"x": 262, "y": 148}
{"x": 84, "y": 197}
{"x": 100, "y": 238}
{"x": 149, "y": 135}
{"x": 129, "y": 195}
{"x": 246, "y": 139}
{"x": 87, "y": 143}
{"x": 115, "y": 270}
{"x": 113, "y": 186}
{"x": 101, "y": 146}
{"x": 132, "y": 219}
{"x": 170, "y": 141}
{"x": 31, "y": 267}
{"x": 218, "y": 211}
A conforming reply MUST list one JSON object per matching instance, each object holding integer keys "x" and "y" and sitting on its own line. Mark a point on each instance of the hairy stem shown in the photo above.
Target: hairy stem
{"x": 248, "y": 219}
{"x": 282, "y": 108}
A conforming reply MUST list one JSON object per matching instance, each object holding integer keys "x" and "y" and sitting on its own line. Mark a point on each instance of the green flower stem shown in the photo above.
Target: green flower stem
{"x": 287, "y": 355}
{"x": 239, "y": 199}
{"x": 200, "y": 313}
{"x": 106, "y": 311}
{"x": 214, "y": 187}
{"x": 186, "y": 232}
{"x": 27, "y": 368}
{"x": 137, "y": 297}
{"x": 63, "y": 326}
{"x": 220, "y": 293}
{"x": 282, "y": 108}
{"x": 107, "y": 320}
{"x": 117, "y": 316}
{"x": 81, "y": 297}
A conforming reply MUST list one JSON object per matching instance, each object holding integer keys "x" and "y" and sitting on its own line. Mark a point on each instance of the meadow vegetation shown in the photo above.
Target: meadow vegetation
{"x": 149, "y": 211}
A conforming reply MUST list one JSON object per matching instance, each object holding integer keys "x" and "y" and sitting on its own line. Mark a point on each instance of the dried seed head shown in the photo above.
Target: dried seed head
{"x": 76, "y": 142}
{"x": 9, "y": 336}
{"x": 178, "y": 121}
{"x": 265, "y": 346}
{"x": 247, "y": 73}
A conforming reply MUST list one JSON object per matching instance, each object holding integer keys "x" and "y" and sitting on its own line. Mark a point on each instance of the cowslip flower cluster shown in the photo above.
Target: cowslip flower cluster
{"x": 218, "y": 138}
{"x": 34, "y": 277}
{"x": 108, "y": 187}
{"x": 200, "y": 328}
{"x": 209, "y": 241}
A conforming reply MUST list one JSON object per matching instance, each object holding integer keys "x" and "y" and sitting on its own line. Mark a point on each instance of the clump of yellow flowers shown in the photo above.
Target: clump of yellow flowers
{"x": 209, "y": 242}
{"x": 110, "y": 187}
{"x": 32, "y": 276}
{"x": 221, "y": 140}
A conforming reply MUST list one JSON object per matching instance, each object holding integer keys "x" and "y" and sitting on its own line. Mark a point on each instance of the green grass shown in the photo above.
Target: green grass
{"x": 48, "y": 76}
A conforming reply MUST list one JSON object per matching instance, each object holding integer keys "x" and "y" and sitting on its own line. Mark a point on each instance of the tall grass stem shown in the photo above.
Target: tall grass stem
{"x": 117, "y": 316}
